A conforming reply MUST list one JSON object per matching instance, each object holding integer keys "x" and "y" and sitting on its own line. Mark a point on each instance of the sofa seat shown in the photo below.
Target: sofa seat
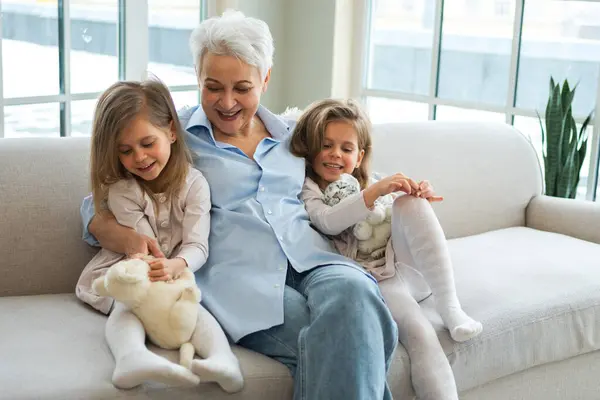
{"x": 56, "y": 344}
{"x": 513, "y": 280}
{"x": 537, "y": 295}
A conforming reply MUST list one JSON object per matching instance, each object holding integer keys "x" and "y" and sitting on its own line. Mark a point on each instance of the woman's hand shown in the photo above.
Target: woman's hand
{"x": 391, "y": 184}
{"x": 141, "y": 244}
{"x": 425, "y": 191}
{"x": 163, "y": 269}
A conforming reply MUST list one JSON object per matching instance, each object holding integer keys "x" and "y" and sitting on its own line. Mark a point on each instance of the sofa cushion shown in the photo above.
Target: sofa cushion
{"x": 56, "y": 344}
{"x": 53, "y": 347}
{"x": 537, "y": 295}
{"x": 487, "y": 172}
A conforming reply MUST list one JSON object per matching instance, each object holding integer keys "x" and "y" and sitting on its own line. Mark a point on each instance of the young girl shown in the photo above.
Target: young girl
{"x": 141, "y": 171}
{"x": 334, "y": 138}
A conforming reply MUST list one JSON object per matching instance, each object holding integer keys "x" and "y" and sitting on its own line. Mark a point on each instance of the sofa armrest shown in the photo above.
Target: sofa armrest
{"x": 576, "y": 218}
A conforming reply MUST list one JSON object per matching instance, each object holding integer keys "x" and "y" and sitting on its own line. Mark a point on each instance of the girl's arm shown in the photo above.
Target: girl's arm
{"x": 127, "y": 202}
{"x": 332, "y": 220}
{"x": 196, "y": 223}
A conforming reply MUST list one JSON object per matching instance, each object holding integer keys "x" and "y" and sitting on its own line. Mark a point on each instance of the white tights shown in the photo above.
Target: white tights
{"x": 135, "y": 363}
{"x": 418, "y": 240}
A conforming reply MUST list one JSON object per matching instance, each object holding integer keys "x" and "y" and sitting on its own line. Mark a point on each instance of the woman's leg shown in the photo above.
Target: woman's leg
{"x": 431, "y": 374}
{"x": 134, "y": 362}
{"x": 416, "y": 231}
{"x": 346, "y": 349}
{"x": 219, "y": 364}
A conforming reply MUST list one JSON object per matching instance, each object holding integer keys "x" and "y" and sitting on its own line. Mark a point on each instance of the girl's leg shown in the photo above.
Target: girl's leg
{"x": 134, "y": 362}
{"x": 219, "y": 364}
{"x": 418, "y": 238}
{"x": 431, "y": 374}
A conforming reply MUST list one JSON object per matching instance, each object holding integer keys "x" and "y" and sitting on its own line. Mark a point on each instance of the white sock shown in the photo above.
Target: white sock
{"x": 136, "y": 364}
{"x": 431, "y": 375}
{"x": 415, "y": 222}
{"x": 219, "y": 364}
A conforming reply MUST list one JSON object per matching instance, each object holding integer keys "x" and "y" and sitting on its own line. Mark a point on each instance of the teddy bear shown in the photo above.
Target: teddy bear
{"x": 374, "y": 232}
{"x": 168, "y": 310}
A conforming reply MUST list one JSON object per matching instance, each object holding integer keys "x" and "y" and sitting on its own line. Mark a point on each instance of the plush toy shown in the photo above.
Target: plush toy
{"x": 374, "y": 232}
{"x": 168, "y": 310}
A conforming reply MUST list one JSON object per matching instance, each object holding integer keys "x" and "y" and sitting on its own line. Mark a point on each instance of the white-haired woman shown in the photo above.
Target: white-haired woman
{"x": 274, "y": 283}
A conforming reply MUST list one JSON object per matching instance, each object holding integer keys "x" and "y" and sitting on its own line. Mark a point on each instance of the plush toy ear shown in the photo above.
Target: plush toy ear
{"x": 99, "y": 288}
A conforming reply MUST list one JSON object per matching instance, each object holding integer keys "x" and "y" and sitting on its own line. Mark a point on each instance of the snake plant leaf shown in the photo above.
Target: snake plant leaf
{"x": 564, "y": 147}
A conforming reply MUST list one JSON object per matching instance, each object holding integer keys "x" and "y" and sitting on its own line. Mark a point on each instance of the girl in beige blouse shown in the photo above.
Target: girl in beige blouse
{"x": 141, "y": 171}
{"x": 334, "y": 138}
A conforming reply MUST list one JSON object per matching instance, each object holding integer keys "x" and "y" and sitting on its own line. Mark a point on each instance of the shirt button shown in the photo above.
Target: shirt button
{"x": 280, "y": 269}
{"x": 280, "y": 238}
{"x": 262, "y": 188}
{"x": 164, "y": 224}
{"x": 162, "y": 198}
{"x": 276, "y": 286}
{"x": 164, "y": 247}
{"x": 269, "y": 212}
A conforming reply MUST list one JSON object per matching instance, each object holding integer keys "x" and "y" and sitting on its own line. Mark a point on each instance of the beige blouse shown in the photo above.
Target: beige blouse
{"x": 337, "y": 222}
{"x": 181, "y": 226}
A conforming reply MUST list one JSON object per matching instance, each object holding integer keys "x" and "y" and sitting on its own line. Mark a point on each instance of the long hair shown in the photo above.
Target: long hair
{"x": 309, "y": 133}
{"x": 116, "y": 109}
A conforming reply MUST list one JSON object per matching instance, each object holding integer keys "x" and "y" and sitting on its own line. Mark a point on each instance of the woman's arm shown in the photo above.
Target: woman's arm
{"x": 196, "y": 224}
{"x": 332, "y": 220}
{"x": 121, "y": 239}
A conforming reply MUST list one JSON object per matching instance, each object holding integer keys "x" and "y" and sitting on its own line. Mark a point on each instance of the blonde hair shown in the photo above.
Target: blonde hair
{"x": 116, "y": 109}
{"x": 233, "y": 34}
{"x": 309, "y": 133}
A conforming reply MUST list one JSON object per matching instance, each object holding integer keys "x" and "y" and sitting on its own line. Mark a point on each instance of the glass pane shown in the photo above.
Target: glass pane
{"x": 82, "y": 115}
{"x": 32, "y": 120}
{"x": 476, "y": 50}
{"x": 188, "y": 98}
{"x": 560, "y": 39}
{"x": 530, "y": 127}
{"x": 29, "y": 50}
{"x": 447, "y": 113}
{"x": 94, "y": 41}
{"x": 390, "y": 110}
{"x": 170, "y": 26}
{"x": 400, "y": 45}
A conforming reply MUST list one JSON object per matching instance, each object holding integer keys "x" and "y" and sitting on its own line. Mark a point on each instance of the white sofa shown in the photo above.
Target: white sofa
{"x": 527, "y": 266}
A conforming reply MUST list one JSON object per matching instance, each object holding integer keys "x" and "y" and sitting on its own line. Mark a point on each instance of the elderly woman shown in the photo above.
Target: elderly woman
{"x": 274, "y": 284}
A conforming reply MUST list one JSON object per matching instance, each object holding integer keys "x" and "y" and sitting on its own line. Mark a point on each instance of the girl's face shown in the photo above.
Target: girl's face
{"x": 144, "y": 149}
{"x": 231, "y": 91}
{"x": 340, "y": 153}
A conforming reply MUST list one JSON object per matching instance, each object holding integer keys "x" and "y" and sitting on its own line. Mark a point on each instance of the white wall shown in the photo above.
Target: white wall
{"x": 309, "y": 51}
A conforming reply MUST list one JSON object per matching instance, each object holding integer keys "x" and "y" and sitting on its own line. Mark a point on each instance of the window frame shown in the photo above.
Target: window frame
{"x": 132, "y": 56}
{"x": 362, "y": 25}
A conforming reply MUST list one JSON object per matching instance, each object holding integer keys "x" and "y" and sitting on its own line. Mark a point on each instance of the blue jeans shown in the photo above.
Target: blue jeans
{"x": 337, "y": 338}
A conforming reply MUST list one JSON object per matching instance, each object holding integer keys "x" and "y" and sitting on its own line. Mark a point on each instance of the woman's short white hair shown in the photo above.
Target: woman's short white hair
{"x": 234, "y": 34}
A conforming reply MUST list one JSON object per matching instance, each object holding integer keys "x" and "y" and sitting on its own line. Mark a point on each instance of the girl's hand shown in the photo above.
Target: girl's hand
{"x": 425, "y": 191}
{"x": 391, "y": 184}
{"x": 163, "y": 269}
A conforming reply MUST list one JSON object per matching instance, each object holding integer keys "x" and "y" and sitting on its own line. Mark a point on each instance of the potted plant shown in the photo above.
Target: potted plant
{"x": 564, "y": 147}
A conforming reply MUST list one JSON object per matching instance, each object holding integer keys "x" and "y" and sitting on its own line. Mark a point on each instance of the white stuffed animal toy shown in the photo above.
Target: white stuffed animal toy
{"x": 374, "y": 232}
{"x": 168, "y": 310}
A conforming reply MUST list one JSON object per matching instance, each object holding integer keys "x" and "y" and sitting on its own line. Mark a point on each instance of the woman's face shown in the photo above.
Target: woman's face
{"x": 231, "y": 91}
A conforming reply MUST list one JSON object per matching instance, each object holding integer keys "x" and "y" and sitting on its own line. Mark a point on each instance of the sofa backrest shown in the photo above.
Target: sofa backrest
{"x": 487, "y": 172}
{"x": 42, "y": 184}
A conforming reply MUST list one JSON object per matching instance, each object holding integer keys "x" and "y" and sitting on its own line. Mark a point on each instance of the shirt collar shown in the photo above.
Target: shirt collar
{"x": 275, "y": 125}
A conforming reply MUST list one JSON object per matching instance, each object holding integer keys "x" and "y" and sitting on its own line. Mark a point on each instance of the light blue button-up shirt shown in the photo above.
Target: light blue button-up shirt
{"x": 258, "y": 224}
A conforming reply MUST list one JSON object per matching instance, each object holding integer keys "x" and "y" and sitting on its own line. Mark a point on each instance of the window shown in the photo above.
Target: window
{"x": 483, "y": 60}
{"x": 56, "y": 57}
